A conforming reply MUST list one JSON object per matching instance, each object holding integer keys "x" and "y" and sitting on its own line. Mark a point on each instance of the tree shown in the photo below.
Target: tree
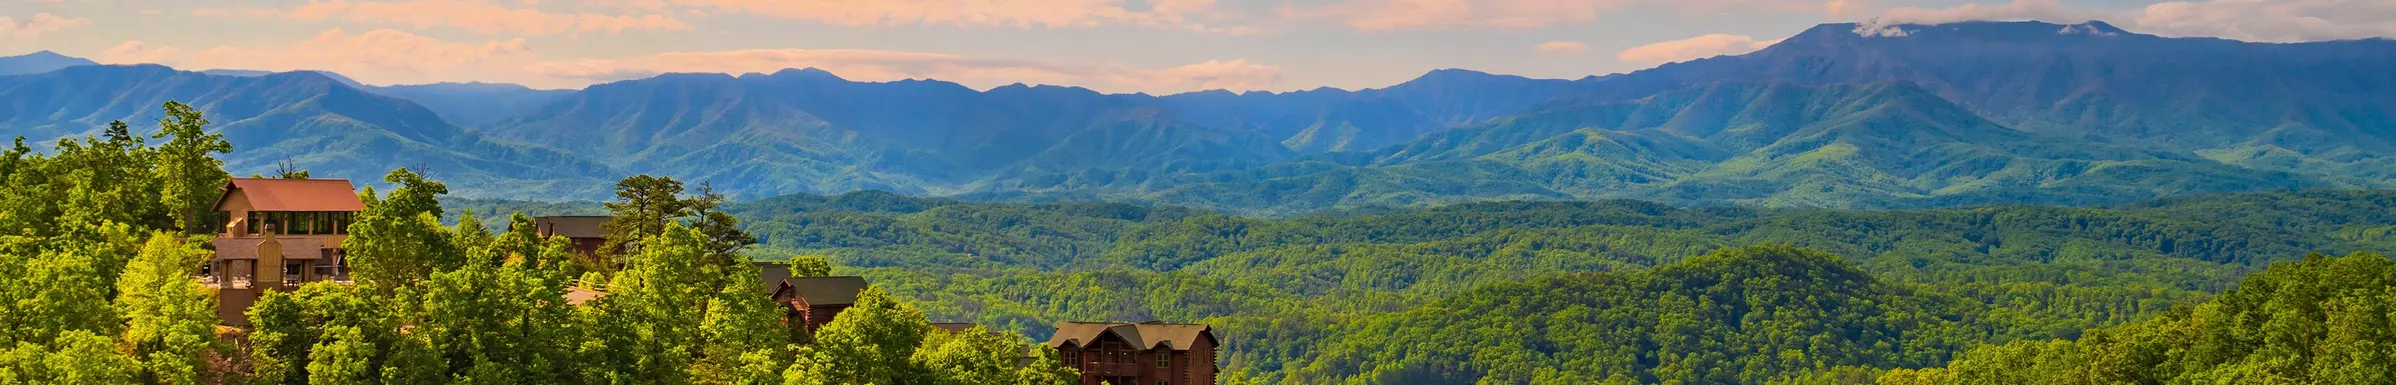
{"x": 644, "y": 205}
{"x": 724, "y": 236}
{"x": 874, "y": 341}
{"x": 191, "y": 176}
{"x": 499, "y": 324}
{"x": 980, "y": 356}
{"x": 287, "y": 170}
{"x": 171, "y": 320}
{"x": 650, "y": 326}
{"x": 744, "y": 340}
{"x": 78, "y": 357}
{"x": 398, "y": 240}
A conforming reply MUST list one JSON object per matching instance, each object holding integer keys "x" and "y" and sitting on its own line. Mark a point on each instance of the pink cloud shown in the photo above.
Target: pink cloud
{"x": 1692, "y": 48}
{"x": 1194, "y": 15}
{"x": 397, "y": 57}
{"x": 382, "y": 56}
{"x": 2274, "y": 21}
{"x": 1562, "y": 47}
{"x": 470, "y": 15}
{"x": 2250, "y": 20}
{"x": 1393, "y": 15}
{"x": 40, "y": 24}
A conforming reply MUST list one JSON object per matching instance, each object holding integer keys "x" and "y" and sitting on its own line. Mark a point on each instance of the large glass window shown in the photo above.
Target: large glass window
{"x": 252, "y": 222}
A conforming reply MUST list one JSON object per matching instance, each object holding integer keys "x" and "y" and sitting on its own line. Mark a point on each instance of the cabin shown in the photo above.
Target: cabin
{"x": 279, "y": 234}
{"x": 1148, "y": 353}
{"x": 588, "y": 233}
{"x": 812, "y": 302}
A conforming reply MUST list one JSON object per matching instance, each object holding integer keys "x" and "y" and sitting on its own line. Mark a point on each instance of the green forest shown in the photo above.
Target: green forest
{"x": 104, "y": 233}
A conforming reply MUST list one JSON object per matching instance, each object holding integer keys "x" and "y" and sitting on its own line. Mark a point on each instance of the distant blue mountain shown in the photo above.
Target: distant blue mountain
{"x": 39, "y": 62}
{"x": 314, "y": 121}
{"x": 473, "y": 104}
{"x": 1841, "y": 115}
{"x": 256, "y": 73}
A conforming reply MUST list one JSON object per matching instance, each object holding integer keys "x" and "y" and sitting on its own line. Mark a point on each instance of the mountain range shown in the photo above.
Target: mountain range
{"x": 1840, "y": 115}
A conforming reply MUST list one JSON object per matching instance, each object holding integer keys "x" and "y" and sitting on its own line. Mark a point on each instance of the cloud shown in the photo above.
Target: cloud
{"x": 1692, "y": 48}
{"x": 2041, "y": 10}
{"x": 1393, "y": 15}
{"x": 1562, "y": 47}
{"x": 397, "y": 57}
{"x": 873, "y": 65}
{"x": 39, "y": 24}
{"x": 470, "y": 15}
{"x": 379, "y": 56}
{"x": 1194, "y": 15}
{"x": 2249, "y": 20}
{"x": 2273, "y": 21}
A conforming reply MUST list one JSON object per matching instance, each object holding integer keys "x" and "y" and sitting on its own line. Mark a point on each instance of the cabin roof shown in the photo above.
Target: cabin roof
{"x": 295, "y": 194}
{"x": 247, "y": 248}
{"x": 826, "y": 290}
{"x": 571, "y": 226}
{"x": 1148, "y": 335}
{"x": 771, "y": 275}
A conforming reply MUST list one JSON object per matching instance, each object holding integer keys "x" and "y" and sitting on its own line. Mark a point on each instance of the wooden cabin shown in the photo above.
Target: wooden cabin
{"x": 814, "y": 301}
{"x": 1149, "y": 353}
{"x": 279, "y": 234}
{"x": 588, "y": 233}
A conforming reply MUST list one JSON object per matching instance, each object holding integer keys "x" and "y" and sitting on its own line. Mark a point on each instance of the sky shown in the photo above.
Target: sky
{"x": 1122, "y": 46}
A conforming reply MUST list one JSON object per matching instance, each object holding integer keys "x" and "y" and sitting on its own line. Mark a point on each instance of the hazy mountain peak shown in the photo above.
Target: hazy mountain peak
{"x": 39, "y": 62}
{"x": 260, "y": 73}
{"x": 1969, "y": 30}
{"x": 811, "y": 73}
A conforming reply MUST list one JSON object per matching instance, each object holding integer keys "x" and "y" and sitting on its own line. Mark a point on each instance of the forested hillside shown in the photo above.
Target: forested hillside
{"x": 1522, "y": 291}
{"x": 109, "y": 230}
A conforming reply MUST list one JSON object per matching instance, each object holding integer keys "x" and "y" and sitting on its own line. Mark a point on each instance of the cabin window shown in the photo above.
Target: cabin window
{"x": 252, "y": 222}
{"x": 1164, "y": 359}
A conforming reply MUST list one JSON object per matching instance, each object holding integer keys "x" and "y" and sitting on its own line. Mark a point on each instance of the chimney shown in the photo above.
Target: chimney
{"x": 269, "y": 271}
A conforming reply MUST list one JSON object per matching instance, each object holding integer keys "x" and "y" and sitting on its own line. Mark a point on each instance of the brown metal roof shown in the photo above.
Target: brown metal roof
{"x": 571, "y": 226}
{"x": 771, "y": 274}
{"x": 295, "y": 194}
{"x": 1149, "y": 335}
{"x": 247, "y": 248}
{"x": 819, "y": 291}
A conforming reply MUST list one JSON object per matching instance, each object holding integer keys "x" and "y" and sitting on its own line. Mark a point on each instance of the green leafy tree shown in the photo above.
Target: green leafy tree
{"x": 499, "y": 325}
{"x": 980, "y": 356}
{"x": 190, "y": 175}
{"x": 652, "y": 325}
{"x": 744, "y": 339}
{"x": 398, "y": 240}
{"x": 78, "y": 357}
{"x": 171, "y": 320}
{"x": 874, "y": 341}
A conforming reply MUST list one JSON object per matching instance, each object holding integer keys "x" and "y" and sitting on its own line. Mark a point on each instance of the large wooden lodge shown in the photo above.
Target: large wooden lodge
{"x": 284, "y": 233}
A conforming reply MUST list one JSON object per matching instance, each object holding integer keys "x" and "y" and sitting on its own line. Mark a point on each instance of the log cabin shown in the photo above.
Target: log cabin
{"x": 1148, "y": 353}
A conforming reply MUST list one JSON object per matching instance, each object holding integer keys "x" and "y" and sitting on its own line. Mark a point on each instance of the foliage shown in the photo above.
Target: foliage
{"x": 190, "y": 175}
{"x": 2322, "y": 320}
{"x": 398, "y": 240}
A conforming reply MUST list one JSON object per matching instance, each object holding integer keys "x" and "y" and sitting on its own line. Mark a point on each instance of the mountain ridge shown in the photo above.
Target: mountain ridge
{"x": 1841, "y": 115}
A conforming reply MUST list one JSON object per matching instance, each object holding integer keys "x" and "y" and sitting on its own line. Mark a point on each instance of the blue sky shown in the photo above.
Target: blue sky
{"x": 1155, "y": 46}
